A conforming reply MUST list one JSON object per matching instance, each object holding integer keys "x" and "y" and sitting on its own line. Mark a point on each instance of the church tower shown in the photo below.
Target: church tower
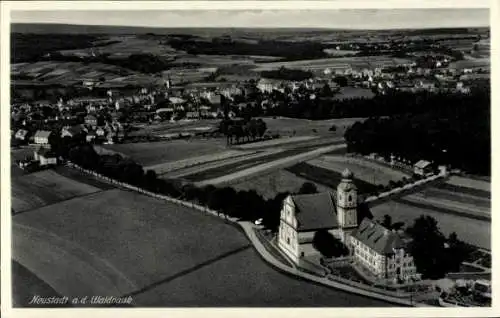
{"x": 347, "y": 201}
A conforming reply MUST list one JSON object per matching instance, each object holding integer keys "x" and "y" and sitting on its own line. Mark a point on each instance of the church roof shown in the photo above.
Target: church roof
{"x": 377, "y": 237}
{"x": 315, "y": 211}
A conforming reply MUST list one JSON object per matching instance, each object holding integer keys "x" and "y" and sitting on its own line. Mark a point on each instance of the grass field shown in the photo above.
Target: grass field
{"x": 269, "y": 185}
{"x": 244, "y": 280}
{"x": 162, "y": 240}
{"x": 353, "y": 92}
{"x": 326, "y": 177}
{"x": 152, "y": 153}
{"x": 365, "y": 171}
{"x": 209, "y": 165}
{"x": 304, "y": 127}
{"x": 161, "y": 254}
{"x": 45, "y": 187}
{"x": 166, "y": 167}
{"x": 470, "y": 183}
{"x": 333, "y": 63}
{"x": 473, "y": 231}
{"x": 177, "y": 127}
{"x": 25, "y": 285}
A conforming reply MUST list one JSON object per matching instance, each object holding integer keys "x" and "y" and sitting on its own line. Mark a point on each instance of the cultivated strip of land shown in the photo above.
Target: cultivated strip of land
{"x": 219, "y": 163}
{"x": 280, "y": 163}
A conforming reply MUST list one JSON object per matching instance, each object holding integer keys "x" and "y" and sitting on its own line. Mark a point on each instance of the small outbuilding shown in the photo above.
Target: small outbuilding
{"x": 422, "y": 168}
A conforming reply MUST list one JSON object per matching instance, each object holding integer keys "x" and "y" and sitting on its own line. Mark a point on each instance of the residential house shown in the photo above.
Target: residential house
{"x": 463, "y": 88}
{"x": 91, "y": 120}
{"x": 193, "y": 115}
{"x": 422, "y": 168}
{"x": 165, "y": 110}
{"x": 92, "y": 108}
{"x": 42, "y": 137}
{"x": 382, "y": 252}
{"x": 215, "y": 100}
{"x": 72, "y": 131}
{"x": 22, "y": 134}
{"x": 426, "y": 85}
{"x": 177, "y": 101}
{"x": 45, "y": 156}
{"x": 268, "y": 85}
{"x": 91, "y": 136}
{"x": 100, "y": 132}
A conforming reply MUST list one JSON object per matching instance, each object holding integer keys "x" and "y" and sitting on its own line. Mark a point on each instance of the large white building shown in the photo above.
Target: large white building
{"x": 371, "y": 246}
{"x": 381, "y": 252}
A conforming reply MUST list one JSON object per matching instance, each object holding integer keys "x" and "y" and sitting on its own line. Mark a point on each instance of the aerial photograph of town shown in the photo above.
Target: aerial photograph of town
{"x": 250, "y": 158}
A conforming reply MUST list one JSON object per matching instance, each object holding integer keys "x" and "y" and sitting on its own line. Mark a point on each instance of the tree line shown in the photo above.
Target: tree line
{"x": 302, "y": 50}
{"x": 447, "y": 129}
{"x": 245, "y": 205}
{"x": 287, "y": 74}
{"x": 236, "y": 130}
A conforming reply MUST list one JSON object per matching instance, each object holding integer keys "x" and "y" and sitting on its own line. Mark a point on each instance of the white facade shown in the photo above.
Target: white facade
{"x": 390, "y": 267}
{"x": 293, "y": 243}
{"x": 347, "y": 204}
{"x": 47, "y": 160}
{"x": 41, "y": 140}
{"x": 297, "y": 244}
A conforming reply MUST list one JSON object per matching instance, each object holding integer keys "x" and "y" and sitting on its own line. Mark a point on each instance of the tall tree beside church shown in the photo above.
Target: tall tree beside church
{"x": 427, "y": 247}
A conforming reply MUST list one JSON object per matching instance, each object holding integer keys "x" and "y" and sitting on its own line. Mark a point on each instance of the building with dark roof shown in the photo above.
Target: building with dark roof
{"x": 376, "y": 249}
{"x": 42, "y": 137}
{"x": 382, "y": 252}
{"x": 45, "y": 156}
{"x": 303, "y": 215}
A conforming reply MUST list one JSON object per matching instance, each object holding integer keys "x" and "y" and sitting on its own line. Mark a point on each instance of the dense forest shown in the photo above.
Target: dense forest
{"x": 32, "y": 47}
{"x": 448, "y": 129}
{"x": 286, "y": 50}
{"x": 287, "y": 74}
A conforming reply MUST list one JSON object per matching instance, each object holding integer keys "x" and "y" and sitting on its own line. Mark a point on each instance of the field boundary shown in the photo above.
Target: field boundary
{"x": 248, "y": 230}
{"x": 275, "y": 164}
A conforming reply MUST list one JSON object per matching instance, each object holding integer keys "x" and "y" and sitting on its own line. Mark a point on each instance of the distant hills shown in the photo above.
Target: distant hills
{"x": 48, "y": 28}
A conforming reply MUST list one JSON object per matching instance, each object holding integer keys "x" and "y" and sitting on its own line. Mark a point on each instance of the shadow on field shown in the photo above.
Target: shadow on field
{"x": 188, "y": 271}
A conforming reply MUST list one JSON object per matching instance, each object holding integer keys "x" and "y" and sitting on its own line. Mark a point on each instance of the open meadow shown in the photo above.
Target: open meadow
{"x": 153, "y": 153}
{"x": 353, "y": 92}
{"x": 182, "y": 126}
{"x": 208, "y": 162}
{"x": 159, "y": 253}
{"x": 69, "y": 72}
{"x": 327, "y": 178}
{"x": 270, "y": 184}
{"x": 41, "y": 188}
{"x": 402, "y": 211}
{"x": 305, "y": 127}
{"x": 221, "y": 283}
{"x": 336, "y": 63}
{"x": 88, "y": 234}
{"x": 364, "y": 170}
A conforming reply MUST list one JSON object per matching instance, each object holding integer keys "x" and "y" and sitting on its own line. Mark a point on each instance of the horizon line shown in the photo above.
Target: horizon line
{"x": 256, "y": 27}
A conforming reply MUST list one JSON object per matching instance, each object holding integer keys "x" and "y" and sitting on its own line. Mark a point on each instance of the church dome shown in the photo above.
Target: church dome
{"x": 347, "y": 174}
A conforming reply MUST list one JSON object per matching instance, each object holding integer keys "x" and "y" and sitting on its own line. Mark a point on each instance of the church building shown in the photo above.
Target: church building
{"x": 371, "y": 246}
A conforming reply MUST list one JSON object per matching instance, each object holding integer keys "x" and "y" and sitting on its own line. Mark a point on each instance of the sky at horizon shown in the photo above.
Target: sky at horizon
{"x": 342, "y": 18}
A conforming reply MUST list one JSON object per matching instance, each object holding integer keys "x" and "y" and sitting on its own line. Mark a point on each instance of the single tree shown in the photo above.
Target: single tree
{"x": 308, "y": 188}
{"x": 387, "y": 221}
